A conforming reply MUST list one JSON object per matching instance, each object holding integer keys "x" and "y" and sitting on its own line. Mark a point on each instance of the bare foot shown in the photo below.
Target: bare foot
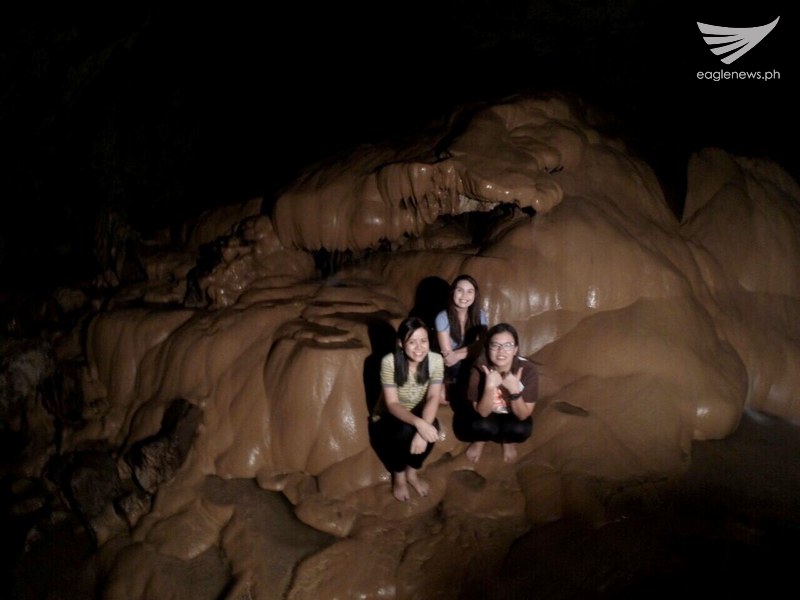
{"x": 509, "y": 453}
{"x": 474, "y": 451}
{"x": 419, "y": 484}
{"x": 400, "y": 487}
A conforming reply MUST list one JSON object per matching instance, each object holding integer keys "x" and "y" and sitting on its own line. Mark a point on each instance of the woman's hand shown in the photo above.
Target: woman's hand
{"x": 513, "y": 382}
{"x": 493, "y": 378}
{"x": 418, "y": 445}
{"x": 454, "y": 357}
{"x": 426, "y": 432}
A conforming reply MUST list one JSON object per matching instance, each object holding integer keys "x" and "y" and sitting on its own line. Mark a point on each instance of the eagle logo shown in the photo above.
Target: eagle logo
{"x": 724, "y": 40}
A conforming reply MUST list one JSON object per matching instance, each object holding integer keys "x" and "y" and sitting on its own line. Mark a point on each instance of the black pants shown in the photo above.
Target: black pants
{"x": 469, "y": 426}
{"x": 391, "y": 439}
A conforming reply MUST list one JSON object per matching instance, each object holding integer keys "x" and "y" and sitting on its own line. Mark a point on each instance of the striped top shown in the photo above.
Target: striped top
{"x": 410, "y": 393}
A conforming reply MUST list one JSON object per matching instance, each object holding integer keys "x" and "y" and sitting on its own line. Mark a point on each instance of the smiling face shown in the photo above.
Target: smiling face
{"x": 463, "y": 294}
{"x": 502, "y": 350}
{"x": 416, "y": 346}
{"x": 618, "y": 313}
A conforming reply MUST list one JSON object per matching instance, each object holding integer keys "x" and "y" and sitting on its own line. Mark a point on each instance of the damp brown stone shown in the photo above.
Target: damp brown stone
{"x": 650, "y": 333}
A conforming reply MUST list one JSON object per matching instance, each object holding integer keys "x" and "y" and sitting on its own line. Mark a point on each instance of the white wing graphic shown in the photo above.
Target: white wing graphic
{"x": 728, "y": 39}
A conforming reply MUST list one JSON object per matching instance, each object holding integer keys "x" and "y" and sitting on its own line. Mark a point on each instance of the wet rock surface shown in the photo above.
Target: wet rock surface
{"x": 728, "y": 526}
{"x": 226, "y": 435}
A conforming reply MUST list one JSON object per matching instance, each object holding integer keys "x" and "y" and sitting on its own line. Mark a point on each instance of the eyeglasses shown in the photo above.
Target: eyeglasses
{"x": 507, "y": 346}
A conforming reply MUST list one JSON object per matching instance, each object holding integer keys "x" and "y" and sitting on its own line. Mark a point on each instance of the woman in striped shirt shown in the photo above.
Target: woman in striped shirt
{"x": 403, "y": 426}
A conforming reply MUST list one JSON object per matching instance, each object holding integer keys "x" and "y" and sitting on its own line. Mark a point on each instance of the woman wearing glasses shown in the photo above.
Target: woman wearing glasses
{"x": 501, "y": 396}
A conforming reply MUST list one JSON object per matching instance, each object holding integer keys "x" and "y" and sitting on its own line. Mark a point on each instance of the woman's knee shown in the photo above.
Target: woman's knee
{"x": 475, "y": 428}
{"x": 517, "y": 431}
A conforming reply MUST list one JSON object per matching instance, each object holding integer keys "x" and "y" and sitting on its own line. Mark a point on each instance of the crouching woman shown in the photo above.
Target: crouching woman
{"x": 501, "y": 396}
{"x": 403, "y": 426}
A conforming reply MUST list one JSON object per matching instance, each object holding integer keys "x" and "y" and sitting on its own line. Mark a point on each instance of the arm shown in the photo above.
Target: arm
{"x": 492, "y": 380}
{"x": 451, "y": 356}
{"x": 424, "y": 428}
{"x": 526, "y": 383}
{"x": 432, "y": 402}
{"x": 419, "y": 442}
{"x": 445, "y": 344}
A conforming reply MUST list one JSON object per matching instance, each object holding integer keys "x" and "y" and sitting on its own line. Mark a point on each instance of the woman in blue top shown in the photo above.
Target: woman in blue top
{"x": 403, "y": 426}
{"x": 460, "y": 327}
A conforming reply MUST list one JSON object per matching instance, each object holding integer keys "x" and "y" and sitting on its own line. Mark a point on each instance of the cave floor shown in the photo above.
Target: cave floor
{"x": 730, "y": 526}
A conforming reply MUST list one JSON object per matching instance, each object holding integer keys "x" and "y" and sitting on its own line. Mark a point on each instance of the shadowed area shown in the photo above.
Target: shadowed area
{"x": 249, "y": 364}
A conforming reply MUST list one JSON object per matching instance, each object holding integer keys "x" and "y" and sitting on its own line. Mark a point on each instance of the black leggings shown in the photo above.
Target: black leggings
{"x": 469, "y": 426}
{"x": 391, "y": 439}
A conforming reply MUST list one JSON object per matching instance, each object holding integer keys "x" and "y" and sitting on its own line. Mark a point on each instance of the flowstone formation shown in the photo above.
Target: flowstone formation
{"x": 245, "y": 363}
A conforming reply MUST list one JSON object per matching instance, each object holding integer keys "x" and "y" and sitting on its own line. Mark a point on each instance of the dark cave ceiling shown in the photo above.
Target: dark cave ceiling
{"x": 164, "y": 112}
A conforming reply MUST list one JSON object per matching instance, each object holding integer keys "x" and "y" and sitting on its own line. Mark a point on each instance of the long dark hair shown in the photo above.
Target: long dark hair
{"x": 405, "y": 331}
{"x": 473, "y": 327}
